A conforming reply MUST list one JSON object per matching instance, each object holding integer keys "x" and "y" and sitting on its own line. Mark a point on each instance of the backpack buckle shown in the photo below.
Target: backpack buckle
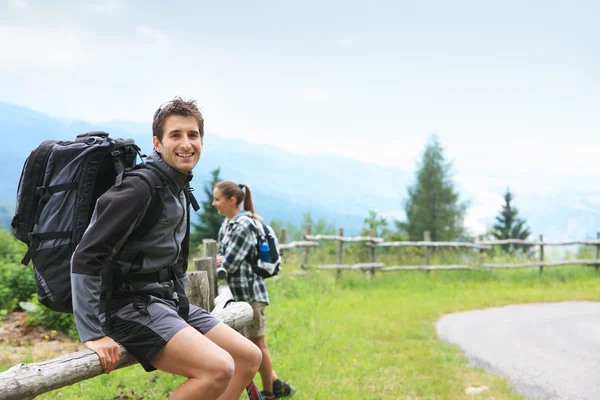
{"x": 115, "y": 153}
{"x": 40, "y": 190}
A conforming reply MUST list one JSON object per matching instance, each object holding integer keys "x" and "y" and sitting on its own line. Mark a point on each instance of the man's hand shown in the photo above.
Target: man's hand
{"x": 108, "y": 350}
{"x": 219, "y": 261}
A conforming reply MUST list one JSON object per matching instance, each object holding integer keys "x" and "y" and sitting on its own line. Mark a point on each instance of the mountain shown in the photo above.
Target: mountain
{"x": 287, "y": 185}
{"x": 562, "y": 214}
{"x": 284, "y": 185}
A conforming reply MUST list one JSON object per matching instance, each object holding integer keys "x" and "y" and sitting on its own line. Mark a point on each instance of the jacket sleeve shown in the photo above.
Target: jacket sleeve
{"x": 117, "y": 213}
{"x": 239, "y": 242}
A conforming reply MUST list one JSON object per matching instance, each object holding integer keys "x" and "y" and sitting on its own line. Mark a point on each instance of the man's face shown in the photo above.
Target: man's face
{"x": 181, "y": 143}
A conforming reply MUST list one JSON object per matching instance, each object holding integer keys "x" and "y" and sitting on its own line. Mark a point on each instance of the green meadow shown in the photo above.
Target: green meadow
{"x": 372, "y": 338}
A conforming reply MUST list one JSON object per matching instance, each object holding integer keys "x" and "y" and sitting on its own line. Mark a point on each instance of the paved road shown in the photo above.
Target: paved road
{"x": 547, "y": 351}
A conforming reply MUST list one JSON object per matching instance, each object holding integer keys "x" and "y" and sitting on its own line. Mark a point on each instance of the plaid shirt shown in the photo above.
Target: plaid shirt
{"x": 237, "y": 239}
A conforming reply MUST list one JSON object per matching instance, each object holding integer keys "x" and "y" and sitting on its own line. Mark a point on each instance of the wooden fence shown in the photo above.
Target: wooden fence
{"x": 26, "y": 381}
{"x": 373, "y": 243}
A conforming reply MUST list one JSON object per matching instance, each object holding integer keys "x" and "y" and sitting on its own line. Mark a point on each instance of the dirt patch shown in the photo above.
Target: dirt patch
{"x": 22, "y": 344}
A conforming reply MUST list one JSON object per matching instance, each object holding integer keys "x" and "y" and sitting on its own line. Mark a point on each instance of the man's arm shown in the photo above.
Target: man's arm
{"x": 116, "y": 215}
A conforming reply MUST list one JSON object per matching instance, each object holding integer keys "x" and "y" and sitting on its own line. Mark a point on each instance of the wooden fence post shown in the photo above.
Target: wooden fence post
{"x": 208, "y": 263}
{"x": 282, "y": 236}
{"x": 205, "y": 265}
{"x": 306, "y": 249}
{"x": 481, "y": 251}
{"x": 372, "y": 253}
{"x": 198, "y": 288}
{"x": 541, "y": 253}
{"x": 597, "y": 252}
{"x": 338, "y": 255}
{"x": 282, "y": 239}
{"x": 427, "y": 238}
{"x": 209, "y": 247}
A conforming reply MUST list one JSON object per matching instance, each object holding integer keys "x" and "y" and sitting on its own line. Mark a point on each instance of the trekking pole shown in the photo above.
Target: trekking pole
{"x": 253, "y": 393}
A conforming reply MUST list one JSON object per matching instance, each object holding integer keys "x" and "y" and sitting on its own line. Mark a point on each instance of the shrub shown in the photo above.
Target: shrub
{"x": 16, "y": 284}
{"x": 11, "y": 250}
{"x": 46, "y": 318}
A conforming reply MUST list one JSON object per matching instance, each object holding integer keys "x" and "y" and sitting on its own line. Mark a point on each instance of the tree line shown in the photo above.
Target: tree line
{"x": 432, "y": 204}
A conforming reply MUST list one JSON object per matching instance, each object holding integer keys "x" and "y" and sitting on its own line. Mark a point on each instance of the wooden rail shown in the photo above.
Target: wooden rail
{"x": 361, "y": 266}
{"x": 540, "y": 242}
{"x": 425, "y": 267}
{"x": 344, "y": 238}
{"x": 305, "y": 243}
{"x": 544, "y": 264}
{"x": 372, "y": 243}
{"x": 26, "y": 381}
{"x": 434, "y": 244}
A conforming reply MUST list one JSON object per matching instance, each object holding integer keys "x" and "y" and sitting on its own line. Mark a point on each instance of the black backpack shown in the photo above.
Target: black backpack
{"x": 59, "y": 185}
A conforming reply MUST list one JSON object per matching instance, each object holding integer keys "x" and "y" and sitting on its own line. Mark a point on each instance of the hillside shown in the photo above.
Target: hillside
{"x": 285, "y": 185}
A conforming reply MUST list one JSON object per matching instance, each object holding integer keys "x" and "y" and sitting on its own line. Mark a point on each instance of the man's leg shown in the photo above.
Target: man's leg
{"x": 246, "y": 356}
{"x": 208, "y": 367}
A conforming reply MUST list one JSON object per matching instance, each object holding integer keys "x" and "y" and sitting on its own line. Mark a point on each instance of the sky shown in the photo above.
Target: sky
{"x": 511, "y": 88}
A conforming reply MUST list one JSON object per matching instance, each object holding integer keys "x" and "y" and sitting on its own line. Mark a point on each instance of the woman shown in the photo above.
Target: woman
{"x": 236, "y": 254}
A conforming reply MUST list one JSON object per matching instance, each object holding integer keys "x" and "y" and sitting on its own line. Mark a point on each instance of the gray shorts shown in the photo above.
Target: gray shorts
{"x": 143, "y": 328}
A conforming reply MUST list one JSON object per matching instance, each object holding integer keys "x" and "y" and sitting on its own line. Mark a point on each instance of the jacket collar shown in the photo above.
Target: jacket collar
{"x": 175, "y": 179}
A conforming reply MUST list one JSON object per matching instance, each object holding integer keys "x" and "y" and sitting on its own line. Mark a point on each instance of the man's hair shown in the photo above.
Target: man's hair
{"x": 177, "y": 106}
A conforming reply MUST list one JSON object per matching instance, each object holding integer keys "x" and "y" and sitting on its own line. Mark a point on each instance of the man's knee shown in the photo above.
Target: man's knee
{"x": 223, "y": 370}
{"x": 256, "y": 356}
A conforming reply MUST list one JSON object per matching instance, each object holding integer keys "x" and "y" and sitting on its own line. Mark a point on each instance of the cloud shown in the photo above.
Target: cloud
{"x": 346, "y": 42}
{"x": 158, "y": 39}
{"x": 400, "y": 152}
{"x": 22, "y": 4}
{"x": 592, "y": 198}
{"x": 313, "y": 94}
{"x": 107, "y": 6}
{"x": 485, "y": 206}
{"x": 583, "y": 207}
{"x": 32, "y": 46}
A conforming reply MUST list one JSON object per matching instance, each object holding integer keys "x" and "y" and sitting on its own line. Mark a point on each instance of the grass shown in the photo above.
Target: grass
{"x": 374, "y": 338}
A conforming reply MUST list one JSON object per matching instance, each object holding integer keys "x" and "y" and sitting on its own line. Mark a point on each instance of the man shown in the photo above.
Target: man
{"x": 147, "y": 304}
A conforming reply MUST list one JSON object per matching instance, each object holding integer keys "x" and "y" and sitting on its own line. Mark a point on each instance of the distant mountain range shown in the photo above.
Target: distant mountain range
{"x": 286, "y": 185}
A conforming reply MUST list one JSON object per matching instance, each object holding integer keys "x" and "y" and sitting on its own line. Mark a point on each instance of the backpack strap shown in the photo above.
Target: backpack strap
{"x": 153, "y": 213}
{"x": 250, "y": 257}
{"x": 156, "y": 205}
{"x": 189, "y": 194}
{"x": 183, "y": 308}
{"x": 120, "y": 166}
{"x": 148, "y": 221}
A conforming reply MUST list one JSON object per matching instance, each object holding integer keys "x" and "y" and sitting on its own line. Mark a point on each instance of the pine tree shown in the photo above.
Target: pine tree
{"x": 209, "y": 219}
{"x": 509, "y": 226}
{"x": 375, "y": 222}
{"x": 433, "y": 204}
